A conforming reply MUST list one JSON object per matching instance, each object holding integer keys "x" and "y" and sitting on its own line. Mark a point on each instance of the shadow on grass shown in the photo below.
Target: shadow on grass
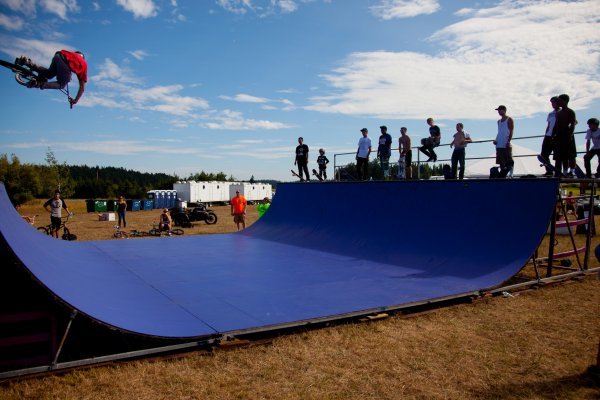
{"x": 581, "y": 386}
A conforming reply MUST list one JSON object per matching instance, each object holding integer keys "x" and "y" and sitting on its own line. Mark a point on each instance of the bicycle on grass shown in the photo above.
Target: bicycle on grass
{"x": 159, "y": 231}
{"x": 67, "y": 235}
{"x": 121, "y": 234}
{"x": 26, "y": 76}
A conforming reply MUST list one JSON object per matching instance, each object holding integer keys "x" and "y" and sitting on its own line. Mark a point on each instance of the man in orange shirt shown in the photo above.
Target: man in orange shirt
{"x": 238, "y": 209}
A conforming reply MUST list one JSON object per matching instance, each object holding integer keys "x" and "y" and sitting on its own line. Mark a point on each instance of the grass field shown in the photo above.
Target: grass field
{"x": 537, "y": 344}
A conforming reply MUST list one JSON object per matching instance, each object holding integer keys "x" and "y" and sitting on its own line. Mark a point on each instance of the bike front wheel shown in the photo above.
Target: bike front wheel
{"x": 43, "y": 230}
{"x": 121, "y": 234}
{"x": 211, "y": 219}
{"x": 154, "y": 232}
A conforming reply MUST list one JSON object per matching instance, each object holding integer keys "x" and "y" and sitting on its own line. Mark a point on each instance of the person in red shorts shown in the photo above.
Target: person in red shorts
{"x": 63, "y": 64}
{"x": 238, "y": 209}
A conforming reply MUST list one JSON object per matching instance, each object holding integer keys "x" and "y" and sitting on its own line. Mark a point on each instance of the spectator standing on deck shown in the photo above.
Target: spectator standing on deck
{"x": 592, "y": 137}
{"x": 54, "y": 206}
{"x": 405, "y": 153}
{"x": 238, "y": 209}
{"x": 563, "y": 133}
{"x": 302, "y": 159}
{"x": 384, "y": 151}
{"x": 459, "y": 142}
{"x": 322, "y": 161}
{"x": 362, "y": 155}
{"x": 548, "y": 143}
{"x": 506, "y": 127}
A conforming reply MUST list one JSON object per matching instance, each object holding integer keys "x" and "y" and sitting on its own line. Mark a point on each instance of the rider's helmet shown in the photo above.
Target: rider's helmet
{"x": 80, "y": 53}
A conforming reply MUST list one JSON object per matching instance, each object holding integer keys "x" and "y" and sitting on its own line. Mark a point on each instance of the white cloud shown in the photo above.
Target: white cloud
{"x": 139, "y": 54}
{"x": 517, "y": 52}
{"x": 390, "y": 9}
{"x": 246, "y": 98}
{"x": 234, "y": 120}
{"x": 262, "y": 8}
{"x": 41, "y": 52}
{"x": 61, "y": 8}
{"x": 139, "y": 8}
{"x": 13, "y": 23}
{"x": 117, "y": 87}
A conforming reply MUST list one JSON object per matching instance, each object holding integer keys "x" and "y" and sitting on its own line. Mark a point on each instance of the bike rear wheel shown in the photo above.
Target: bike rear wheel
{"x": 177, "y": 231}
{"x": 121, "y": 234}
{"x": 23, "y": 75}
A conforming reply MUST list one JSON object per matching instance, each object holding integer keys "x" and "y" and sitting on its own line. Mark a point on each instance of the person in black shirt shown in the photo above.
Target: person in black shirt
{"x": 432, "y": 141}
{"x": 322, "y": 161}
{"x": 302, "y": 159}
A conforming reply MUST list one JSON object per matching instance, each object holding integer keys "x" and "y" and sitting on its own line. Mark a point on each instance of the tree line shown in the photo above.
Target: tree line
{"x": 24, "y": 181}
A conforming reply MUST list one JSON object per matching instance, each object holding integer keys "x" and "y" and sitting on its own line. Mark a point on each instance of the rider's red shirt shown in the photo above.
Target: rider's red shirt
{"x": 77, "y": 64}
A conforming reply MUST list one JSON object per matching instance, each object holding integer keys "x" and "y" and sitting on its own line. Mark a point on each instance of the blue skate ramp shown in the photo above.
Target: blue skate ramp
{"x": 322, "y": 250}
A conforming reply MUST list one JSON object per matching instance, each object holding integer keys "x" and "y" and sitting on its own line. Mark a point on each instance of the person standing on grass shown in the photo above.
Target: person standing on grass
{"x": 238, "y": 209}
{"x": 459, "y": 142}
{"x": 302, "y": 159}
{"x": 263, "y": 207}
{"x": 54, "y": 206}
{"x": 121, "y": 209}
{"x": 362, "y": 155}
{"x": 405, "y": 152}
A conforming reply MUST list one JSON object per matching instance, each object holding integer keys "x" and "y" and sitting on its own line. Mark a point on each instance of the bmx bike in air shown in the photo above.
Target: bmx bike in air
{"x": 26, "y": 76}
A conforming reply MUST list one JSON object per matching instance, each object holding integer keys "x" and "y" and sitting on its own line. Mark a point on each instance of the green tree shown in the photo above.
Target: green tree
{"x": 58, "y": 176}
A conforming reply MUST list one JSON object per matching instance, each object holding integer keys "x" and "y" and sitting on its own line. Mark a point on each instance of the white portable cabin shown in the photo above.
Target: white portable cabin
{"x": 252, "y": 191}
{"x": 202, "y": 192}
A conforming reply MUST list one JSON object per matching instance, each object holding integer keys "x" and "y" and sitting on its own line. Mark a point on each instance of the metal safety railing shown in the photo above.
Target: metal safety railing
{"x": 337, "y": 166}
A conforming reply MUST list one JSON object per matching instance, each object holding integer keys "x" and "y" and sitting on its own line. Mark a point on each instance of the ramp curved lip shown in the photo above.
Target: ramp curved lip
{"x": 322, "y": 250}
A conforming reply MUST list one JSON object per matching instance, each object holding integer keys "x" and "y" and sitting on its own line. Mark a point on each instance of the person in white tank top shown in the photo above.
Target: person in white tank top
{"x": 503, "y": 138}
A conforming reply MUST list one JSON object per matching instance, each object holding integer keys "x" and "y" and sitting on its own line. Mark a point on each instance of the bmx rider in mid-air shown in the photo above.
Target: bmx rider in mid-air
{"x": 63, "y": 64}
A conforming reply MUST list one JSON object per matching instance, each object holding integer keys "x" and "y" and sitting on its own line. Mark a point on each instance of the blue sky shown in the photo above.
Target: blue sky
{"x": 180, "y": 86}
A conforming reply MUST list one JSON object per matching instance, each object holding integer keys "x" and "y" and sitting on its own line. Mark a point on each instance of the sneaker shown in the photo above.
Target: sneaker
{"x": 22, "y": 61}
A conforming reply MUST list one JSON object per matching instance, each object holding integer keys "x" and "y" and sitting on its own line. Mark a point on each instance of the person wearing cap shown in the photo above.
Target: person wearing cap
{"x": 504, "y": 136}
{"x": 405, "y": 154}
{"x": 165, "y": 222}
{"x": 302, "y": 159}
{"x": 362, "y": 155}
{"x": 548, "y": 143}
{"x": 54, "y": 206}
{"x": 592, "y": 137}
{"x": 238, "y": 209}
{"x": 384, "y": 151}
{"x": 435, "y": 136}
{"x": 564, "y": 138}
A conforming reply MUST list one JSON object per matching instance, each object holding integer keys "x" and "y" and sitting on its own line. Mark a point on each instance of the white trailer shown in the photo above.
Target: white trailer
{"x": 252, "y": 191}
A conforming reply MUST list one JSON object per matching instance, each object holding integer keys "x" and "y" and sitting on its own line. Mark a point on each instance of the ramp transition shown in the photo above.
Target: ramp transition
{"x": 323, "y": 249}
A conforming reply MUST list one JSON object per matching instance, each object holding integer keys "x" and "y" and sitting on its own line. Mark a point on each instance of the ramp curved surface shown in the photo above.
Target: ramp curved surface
{"x": 323, "y": 249}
